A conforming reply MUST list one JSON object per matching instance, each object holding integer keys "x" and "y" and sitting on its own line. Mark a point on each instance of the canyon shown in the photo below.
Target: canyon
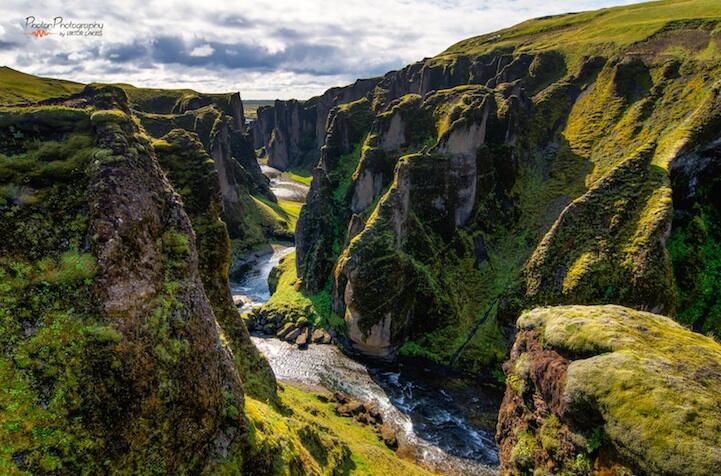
{"x": 507, "y": 254}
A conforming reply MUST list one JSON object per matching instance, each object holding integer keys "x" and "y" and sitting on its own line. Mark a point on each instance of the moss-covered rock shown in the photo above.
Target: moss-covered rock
{"x": 607, "y": 388}
{"x": 192, "y": 173}
{"x": 325, "y": 216}
{"x": 103, "y": 305}
{"x": 238, "y": 172}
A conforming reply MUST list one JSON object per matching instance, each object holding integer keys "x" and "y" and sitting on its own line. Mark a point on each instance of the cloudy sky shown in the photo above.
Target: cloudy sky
{"x": 263, "y": 48}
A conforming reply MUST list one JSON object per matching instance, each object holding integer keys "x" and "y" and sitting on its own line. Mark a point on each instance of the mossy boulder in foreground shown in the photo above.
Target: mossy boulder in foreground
{"x": 607, "y": 388}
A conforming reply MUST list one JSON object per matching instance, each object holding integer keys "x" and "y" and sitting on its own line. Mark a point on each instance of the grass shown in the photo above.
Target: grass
{"x": 43, "y": 163}
{"x": 17, "y": 87}
{"x": 292, "y": 302}
{"x": 315, "y": 438}
{"x": 595, "y": 32}
{"x": 299, "y": 175}
{"x": 283, "y": 215}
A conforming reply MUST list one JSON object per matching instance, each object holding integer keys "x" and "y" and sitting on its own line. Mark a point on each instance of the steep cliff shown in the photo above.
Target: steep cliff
{"x": 103, "y": 303}
{"x": 191, "y": 171}
{"x": 219, "y": 122}
{"x": 543, "y": 164}
{"x": 292, "y": 132}
{"x": 610, "y": 390}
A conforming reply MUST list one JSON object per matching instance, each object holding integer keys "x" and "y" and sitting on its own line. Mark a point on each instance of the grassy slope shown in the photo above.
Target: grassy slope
{"x": 593, "y": 32}
{"x": 18, "y": 87}
{"x": 299, "y": 175}
{"x": 311, "y": 434}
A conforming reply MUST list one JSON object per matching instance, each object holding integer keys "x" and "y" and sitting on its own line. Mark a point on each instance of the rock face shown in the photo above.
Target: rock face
{"x": 293, "y": 132}
{"x": 606, "y": 389}
{"x": 124, "y": 343}
{"x": 506, "y": 173}
{"x": 183, "y": 157}
{"x": 219, "y": 122}
{"x": 324, "y": 207}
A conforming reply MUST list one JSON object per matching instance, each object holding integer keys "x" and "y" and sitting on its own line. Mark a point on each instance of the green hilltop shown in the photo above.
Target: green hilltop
{"x": 19, "y": 87}
{"x": 596, "y": 32}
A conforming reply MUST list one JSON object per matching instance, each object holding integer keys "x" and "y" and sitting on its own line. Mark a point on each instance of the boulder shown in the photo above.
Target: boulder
{"x": 612, "y": 387}
{"x": 292, "y": 335}
{"x": 388, "y": 435}
{"x": 302, "y": 340}
{"x": 283, "y": 332}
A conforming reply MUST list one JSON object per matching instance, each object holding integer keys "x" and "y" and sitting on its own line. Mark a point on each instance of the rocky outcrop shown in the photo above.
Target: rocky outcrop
{"x": 288, "y": 127}
{"x": 324, "y": 209}
{"x": 606, "y": 389}
{"x": 124, "y": 343}
{"x": 219, "y": 122}
{"x": 381, "y": 284}
{"x": 187, "y": 165}
{"x": 300, "y": 332}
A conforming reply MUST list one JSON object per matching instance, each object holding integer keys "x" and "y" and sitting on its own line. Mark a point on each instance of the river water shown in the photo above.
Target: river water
{"x": 283, "y": 187}
{"x": 443, "y": 422}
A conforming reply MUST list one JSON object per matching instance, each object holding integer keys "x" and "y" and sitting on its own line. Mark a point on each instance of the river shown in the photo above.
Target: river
{"x": 443, "y": 422}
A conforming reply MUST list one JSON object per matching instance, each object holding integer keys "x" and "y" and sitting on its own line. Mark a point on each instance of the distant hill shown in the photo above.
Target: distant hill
{"x": 16, "y": 87}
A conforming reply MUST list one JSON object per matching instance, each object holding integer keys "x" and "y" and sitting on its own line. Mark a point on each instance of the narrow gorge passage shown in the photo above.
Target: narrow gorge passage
{"x": 426, "y": 410}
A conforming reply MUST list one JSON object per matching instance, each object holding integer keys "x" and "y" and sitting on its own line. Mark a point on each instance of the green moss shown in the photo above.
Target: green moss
{"x": 193, "y": 174}
{"x": 342, "y": 175}
{"x": 110, "y": 115}
{"x": 522, "y": 455}
{"x": 72, "y": 266}
{"x": 49, "y": 322}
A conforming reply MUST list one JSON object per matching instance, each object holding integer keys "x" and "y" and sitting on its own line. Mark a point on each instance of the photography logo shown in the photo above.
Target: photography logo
{"x": 59, "y": 26}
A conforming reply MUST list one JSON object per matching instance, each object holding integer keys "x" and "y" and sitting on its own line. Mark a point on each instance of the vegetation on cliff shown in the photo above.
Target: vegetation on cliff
{"x": 529, "y": 166}
{"x": 192, "y": 173}
{"x": 102, "y": 302}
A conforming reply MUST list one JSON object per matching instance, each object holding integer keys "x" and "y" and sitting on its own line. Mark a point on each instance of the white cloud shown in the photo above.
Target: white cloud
{"x": 264, "y": 48}
{"x": 205, "y": 50}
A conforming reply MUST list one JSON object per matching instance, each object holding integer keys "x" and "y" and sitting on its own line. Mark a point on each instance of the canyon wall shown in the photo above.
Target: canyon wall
{"x": 113, "y": 354}
{"x": 469, "y": 186}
